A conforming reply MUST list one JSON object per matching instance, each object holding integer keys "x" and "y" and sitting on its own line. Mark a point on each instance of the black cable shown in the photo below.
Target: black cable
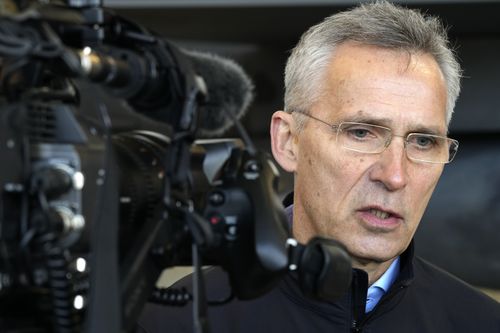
{"x": 65, "y": 316}
{"x": 14, "y": 46}
{"x": 65, "y": 319}
{"x": 18, "y": 41}
{"x": 51, "y": 48}
{"x": 15, "y": 39}
{"x": 200, "y": 312}
{"x": 244, "y": 134}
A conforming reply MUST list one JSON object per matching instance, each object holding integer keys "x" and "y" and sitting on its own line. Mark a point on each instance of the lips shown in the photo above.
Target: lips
{"x": 380, "y": 218}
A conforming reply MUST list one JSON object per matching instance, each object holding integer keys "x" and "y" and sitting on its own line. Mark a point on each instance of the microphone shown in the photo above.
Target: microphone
{"x": 230, "y": 91}
{"x": 153, "y": 83}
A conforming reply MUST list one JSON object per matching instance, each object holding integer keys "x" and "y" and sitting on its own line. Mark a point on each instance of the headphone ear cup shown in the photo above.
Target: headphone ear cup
{"x": 325, "y": 269}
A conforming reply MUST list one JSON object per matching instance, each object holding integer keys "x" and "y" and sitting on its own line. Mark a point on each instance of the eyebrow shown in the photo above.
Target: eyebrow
{"x": 388, "y": 122}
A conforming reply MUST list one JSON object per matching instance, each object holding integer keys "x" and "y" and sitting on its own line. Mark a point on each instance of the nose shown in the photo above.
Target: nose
{"x": 391, "y": 168}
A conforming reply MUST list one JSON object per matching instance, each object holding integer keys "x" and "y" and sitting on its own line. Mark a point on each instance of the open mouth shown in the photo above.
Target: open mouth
{"x": 380, "y": 217}
{"x": 380, "y": 214}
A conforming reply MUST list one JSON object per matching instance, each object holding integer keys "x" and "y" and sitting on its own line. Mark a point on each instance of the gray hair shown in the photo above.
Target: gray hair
{"x": 379, "y": 24}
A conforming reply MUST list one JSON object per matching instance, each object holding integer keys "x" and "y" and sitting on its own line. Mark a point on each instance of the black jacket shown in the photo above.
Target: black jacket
{"x": 422, "y": 299}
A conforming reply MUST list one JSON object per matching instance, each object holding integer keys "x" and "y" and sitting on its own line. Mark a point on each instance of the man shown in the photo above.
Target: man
{"x": 369, "y": 96}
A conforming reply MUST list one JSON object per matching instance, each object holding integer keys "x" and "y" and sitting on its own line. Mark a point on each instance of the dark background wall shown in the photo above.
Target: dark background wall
{"x": 461, "y": 229}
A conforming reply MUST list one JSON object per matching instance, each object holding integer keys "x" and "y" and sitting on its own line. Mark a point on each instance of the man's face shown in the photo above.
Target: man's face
{"x": 347, "y": 195}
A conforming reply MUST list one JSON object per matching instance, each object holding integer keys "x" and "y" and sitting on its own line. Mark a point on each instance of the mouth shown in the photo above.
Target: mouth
{"x": 380, "y": 218}
{"x": 383, "y": 213}
{"x": 380, "y": 213}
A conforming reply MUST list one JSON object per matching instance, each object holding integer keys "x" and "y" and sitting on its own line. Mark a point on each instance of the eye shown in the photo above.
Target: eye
{"x": 423, "y": 141}
{"x": 361, "y": 132}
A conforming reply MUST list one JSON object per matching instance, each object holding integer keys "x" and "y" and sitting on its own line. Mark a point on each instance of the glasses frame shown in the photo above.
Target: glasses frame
{"x": 337, "y": 128}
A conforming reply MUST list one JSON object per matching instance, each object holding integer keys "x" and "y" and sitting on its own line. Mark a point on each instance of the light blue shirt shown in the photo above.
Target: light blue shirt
{"x": 381, "y": 286}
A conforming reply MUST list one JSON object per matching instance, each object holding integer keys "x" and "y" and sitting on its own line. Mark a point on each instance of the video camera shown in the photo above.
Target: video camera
{"x": 104, "y": 184}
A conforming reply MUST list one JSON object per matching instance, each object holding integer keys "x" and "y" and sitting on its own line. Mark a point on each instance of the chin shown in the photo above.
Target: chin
{"x": 376, "y": 253}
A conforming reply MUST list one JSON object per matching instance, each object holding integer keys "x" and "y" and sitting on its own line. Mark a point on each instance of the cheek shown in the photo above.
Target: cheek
{"x": 428, "y": 178}
{"x": 325, "y": 171}
{"x": 315, "y": 165}
{"x": 311, "y": 170}
{"x": 424, "y": 185}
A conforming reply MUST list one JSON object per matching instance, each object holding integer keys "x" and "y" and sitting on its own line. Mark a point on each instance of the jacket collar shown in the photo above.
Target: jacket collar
{"x": 406, "y": 266}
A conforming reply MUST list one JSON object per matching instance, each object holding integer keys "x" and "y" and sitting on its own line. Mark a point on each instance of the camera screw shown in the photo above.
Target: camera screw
{"x": 252, "y": 170}
{"x": 231, "y": 228}
{"x": 216, "y": 198}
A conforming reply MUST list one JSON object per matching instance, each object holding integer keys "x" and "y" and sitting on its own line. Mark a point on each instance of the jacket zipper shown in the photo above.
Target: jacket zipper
{"x": 354, "y": 326}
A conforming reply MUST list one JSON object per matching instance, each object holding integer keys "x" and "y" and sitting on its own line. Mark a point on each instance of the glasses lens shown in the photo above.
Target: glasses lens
{"x": 363, "y": 138}
{"x": 373, "y": 139}
{"x": 431, "y": 148}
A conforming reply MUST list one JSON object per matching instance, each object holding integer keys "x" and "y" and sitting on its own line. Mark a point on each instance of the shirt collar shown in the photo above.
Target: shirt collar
{"x": 388, "y": 278}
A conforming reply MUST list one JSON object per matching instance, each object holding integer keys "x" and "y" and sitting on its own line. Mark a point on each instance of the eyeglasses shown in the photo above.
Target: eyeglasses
{"x": 374, "y": 139}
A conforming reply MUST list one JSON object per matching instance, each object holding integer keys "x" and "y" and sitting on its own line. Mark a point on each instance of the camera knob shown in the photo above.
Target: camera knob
{"x": 70, "y": 221}
{"x": 56, "y": 180}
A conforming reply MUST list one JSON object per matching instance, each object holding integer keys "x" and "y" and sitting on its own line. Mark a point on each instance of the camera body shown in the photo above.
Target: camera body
{"x": 104, "y": 184}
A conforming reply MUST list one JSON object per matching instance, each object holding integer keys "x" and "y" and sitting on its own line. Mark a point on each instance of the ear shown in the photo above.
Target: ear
{"x": 283, "y": 144}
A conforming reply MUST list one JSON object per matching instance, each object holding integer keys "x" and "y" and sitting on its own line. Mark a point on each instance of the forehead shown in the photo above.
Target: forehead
{"x": 406, "y": 89}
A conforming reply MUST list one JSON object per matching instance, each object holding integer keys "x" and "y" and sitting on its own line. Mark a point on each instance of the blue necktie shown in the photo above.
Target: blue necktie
{"x": 374, "y": 295}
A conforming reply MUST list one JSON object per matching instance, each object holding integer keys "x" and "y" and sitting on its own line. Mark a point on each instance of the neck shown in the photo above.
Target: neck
{"x": 374, "y": 269}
